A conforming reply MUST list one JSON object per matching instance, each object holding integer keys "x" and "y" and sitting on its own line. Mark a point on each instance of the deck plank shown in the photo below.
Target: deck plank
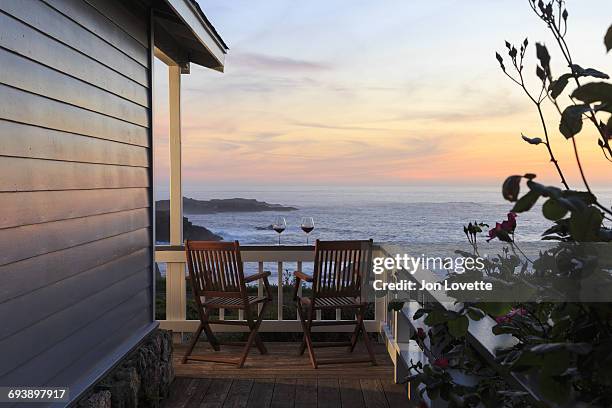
{"x": 238, "y": 395}
{"x": 281, "y": 361}
{"x": 261, "y": 393}
{"x": 373, "y": 394}
{"x": 395, "y": 393}
{"x": 328, "y": 393}
{"x": 180, "y": 392}
{"x": 284, "y": 393}
{"x": 216, "y": 393}
{"x": 284, "y": 379}
{"x": 306, "y": 393}
{"x": 350, "y": 393}
{"x": 200, "y": 387}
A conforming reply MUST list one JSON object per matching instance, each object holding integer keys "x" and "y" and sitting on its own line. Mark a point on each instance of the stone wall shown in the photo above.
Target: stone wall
{"x": 142, "y": 380}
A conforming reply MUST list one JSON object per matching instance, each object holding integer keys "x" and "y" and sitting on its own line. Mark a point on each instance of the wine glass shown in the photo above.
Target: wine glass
{"x": 279, "y": 226}
{"x": 307, "y": 226}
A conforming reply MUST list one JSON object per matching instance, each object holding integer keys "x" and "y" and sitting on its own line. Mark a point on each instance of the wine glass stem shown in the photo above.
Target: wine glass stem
{"x": 278, "y": 239}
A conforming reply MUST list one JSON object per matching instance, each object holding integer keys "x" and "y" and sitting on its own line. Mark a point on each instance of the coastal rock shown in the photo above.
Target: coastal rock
{"x": 266, "y": 228}
{"x": 100, "y": 399}
{"x": 190, "y": 231}
{"x": 192, "y": 206}
{"x": 141, "y": 380}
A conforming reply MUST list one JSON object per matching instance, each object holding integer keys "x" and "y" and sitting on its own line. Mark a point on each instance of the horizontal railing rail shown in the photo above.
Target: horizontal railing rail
{"x": 279, "y": 256}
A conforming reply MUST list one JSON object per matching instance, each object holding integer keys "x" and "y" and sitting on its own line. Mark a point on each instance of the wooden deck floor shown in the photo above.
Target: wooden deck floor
{"x": 283, "y": 379}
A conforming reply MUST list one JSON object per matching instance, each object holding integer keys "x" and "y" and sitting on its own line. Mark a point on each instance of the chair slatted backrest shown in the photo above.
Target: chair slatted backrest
{"x": 215, "y": 268}
{"x": 339, "y": 267}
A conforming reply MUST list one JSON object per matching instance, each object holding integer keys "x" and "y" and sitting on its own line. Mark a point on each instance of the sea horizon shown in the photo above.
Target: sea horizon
{"x": 390, "y": 214}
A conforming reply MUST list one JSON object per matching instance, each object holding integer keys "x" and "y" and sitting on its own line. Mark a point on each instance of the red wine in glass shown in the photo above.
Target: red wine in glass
{"x": 279, "y": 225}
{"x": 307, "y": 226}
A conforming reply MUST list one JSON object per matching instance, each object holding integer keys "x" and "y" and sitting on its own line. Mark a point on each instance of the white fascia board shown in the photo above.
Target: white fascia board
{"x": 200, "y": 29}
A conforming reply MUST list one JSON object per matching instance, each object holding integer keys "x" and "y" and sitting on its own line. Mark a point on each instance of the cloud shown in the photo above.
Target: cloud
{"x": 276, "y": 63}
{"x": 487, "y": 107}
{"x": 335, "y": 127}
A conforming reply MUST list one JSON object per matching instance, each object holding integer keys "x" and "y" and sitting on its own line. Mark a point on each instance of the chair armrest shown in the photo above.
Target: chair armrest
{"x": 302, "y": 276}
{"x": 261, "y": 275}
{"x": 299, "y": 276}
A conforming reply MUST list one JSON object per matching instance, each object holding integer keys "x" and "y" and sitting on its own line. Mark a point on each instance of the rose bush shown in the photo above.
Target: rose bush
{"x": 564, "y": 343}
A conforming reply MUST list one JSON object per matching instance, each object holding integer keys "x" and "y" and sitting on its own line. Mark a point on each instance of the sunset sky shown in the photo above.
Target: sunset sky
{"x": 350, "y": 92}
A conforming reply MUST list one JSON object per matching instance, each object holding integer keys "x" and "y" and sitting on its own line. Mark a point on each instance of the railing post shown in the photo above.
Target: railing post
{"x": 260, "y": 289}
{"x": 299, "y": 268}
{"x": 176, "y": 297}
{"x": 380, "y": 305}
{"x": 280, "y": 291}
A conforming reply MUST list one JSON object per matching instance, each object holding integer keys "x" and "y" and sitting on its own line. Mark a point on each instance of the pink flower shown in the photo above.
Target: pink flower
{"x": 508, "y": 316}
{"x": 512, "y": 221}
{"x": 441, "y": 362}
{"x": 520, "y": 312}
{"x": 503, "y": 229}
{"x": 502, "y": 319}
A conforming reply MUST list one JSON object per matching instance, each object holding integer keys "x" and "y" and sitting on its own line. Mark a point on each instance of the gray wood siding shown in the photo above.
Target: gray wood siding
{"x": 76, "y": 282}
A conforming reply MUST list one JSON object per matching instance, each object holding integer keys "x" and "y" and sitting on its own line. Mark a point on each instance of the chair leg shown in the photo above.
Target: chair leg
{"x": 212, "y": 339}
{"x": 260, "y": 344}
{"x": 258, "y": 341}
{"x": 366, "y": 338}
{"x": 252, "y": 336}
{"x": 355, "y": 335}
{"x": 193, "y": 342}
{"x": 307, "y": 341}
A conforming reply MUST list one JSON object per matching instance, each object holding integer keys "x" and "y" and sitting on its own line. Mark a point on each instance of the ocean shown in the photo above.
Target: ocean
{"x": 425, "y": 220}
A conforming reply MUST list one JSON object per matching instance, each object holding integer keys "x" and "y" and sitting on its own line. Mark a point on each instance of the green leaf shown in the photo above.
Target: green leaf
{"x": 584, "y": 225}
{"x": 546, "y": 191}
{"x": 475, "y": 314}
{"x": 608, "y": 39}
{"x": 458, "y": 327}
{"x": 395, "y": 305}
{"x": 571, "y": 120}
{"x": 553, "y": 210}
{"x": 555, "y": 363}
{"x": 556, "y": 87}
{"x": 584, "y": 196}
{"x": 531, "y": 140}
{"x": 419, "y": 313}
{"x": 511, "y": 187}
{"x": 525, "y": 361}
{"x": 553, "y": 390}
{"x": 578, "y": 71}
{"x": 436, "y": 317}
{"x": 594, "y": 92}
{"x": 526, "y": 202}
{"x": 544, "y": 57}
{"x": 494, "y": 308}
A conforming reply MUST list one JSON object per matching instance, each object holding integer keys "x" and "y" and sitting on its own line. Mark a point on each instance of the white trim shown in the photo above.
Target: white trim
{"x": 247, "y": 256}
{"x": 266, "y": 326}
{"x": 200, "y": 29}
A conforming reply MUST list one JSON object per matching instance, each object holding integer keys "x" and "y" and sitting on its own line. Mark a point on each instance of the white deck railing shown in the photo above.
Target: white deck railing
{"x": 279, "y": 257}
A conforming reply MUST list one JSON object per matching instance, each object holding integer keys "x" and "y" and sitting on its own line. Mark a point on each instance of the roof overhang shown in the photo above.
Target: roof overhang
{"x": 183, "y": 34}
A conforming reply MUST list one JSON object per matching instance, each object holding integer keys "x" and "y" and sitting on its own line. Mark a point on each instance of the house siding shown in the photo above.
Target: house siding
{"x": 76, "y": 282}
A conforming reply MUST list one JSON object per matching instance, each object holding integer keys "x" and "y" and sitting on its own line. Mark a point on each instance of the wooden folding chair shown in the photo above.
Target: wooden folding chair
{"x": 339, "y": 267}
{"x": 218, "y": 282}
